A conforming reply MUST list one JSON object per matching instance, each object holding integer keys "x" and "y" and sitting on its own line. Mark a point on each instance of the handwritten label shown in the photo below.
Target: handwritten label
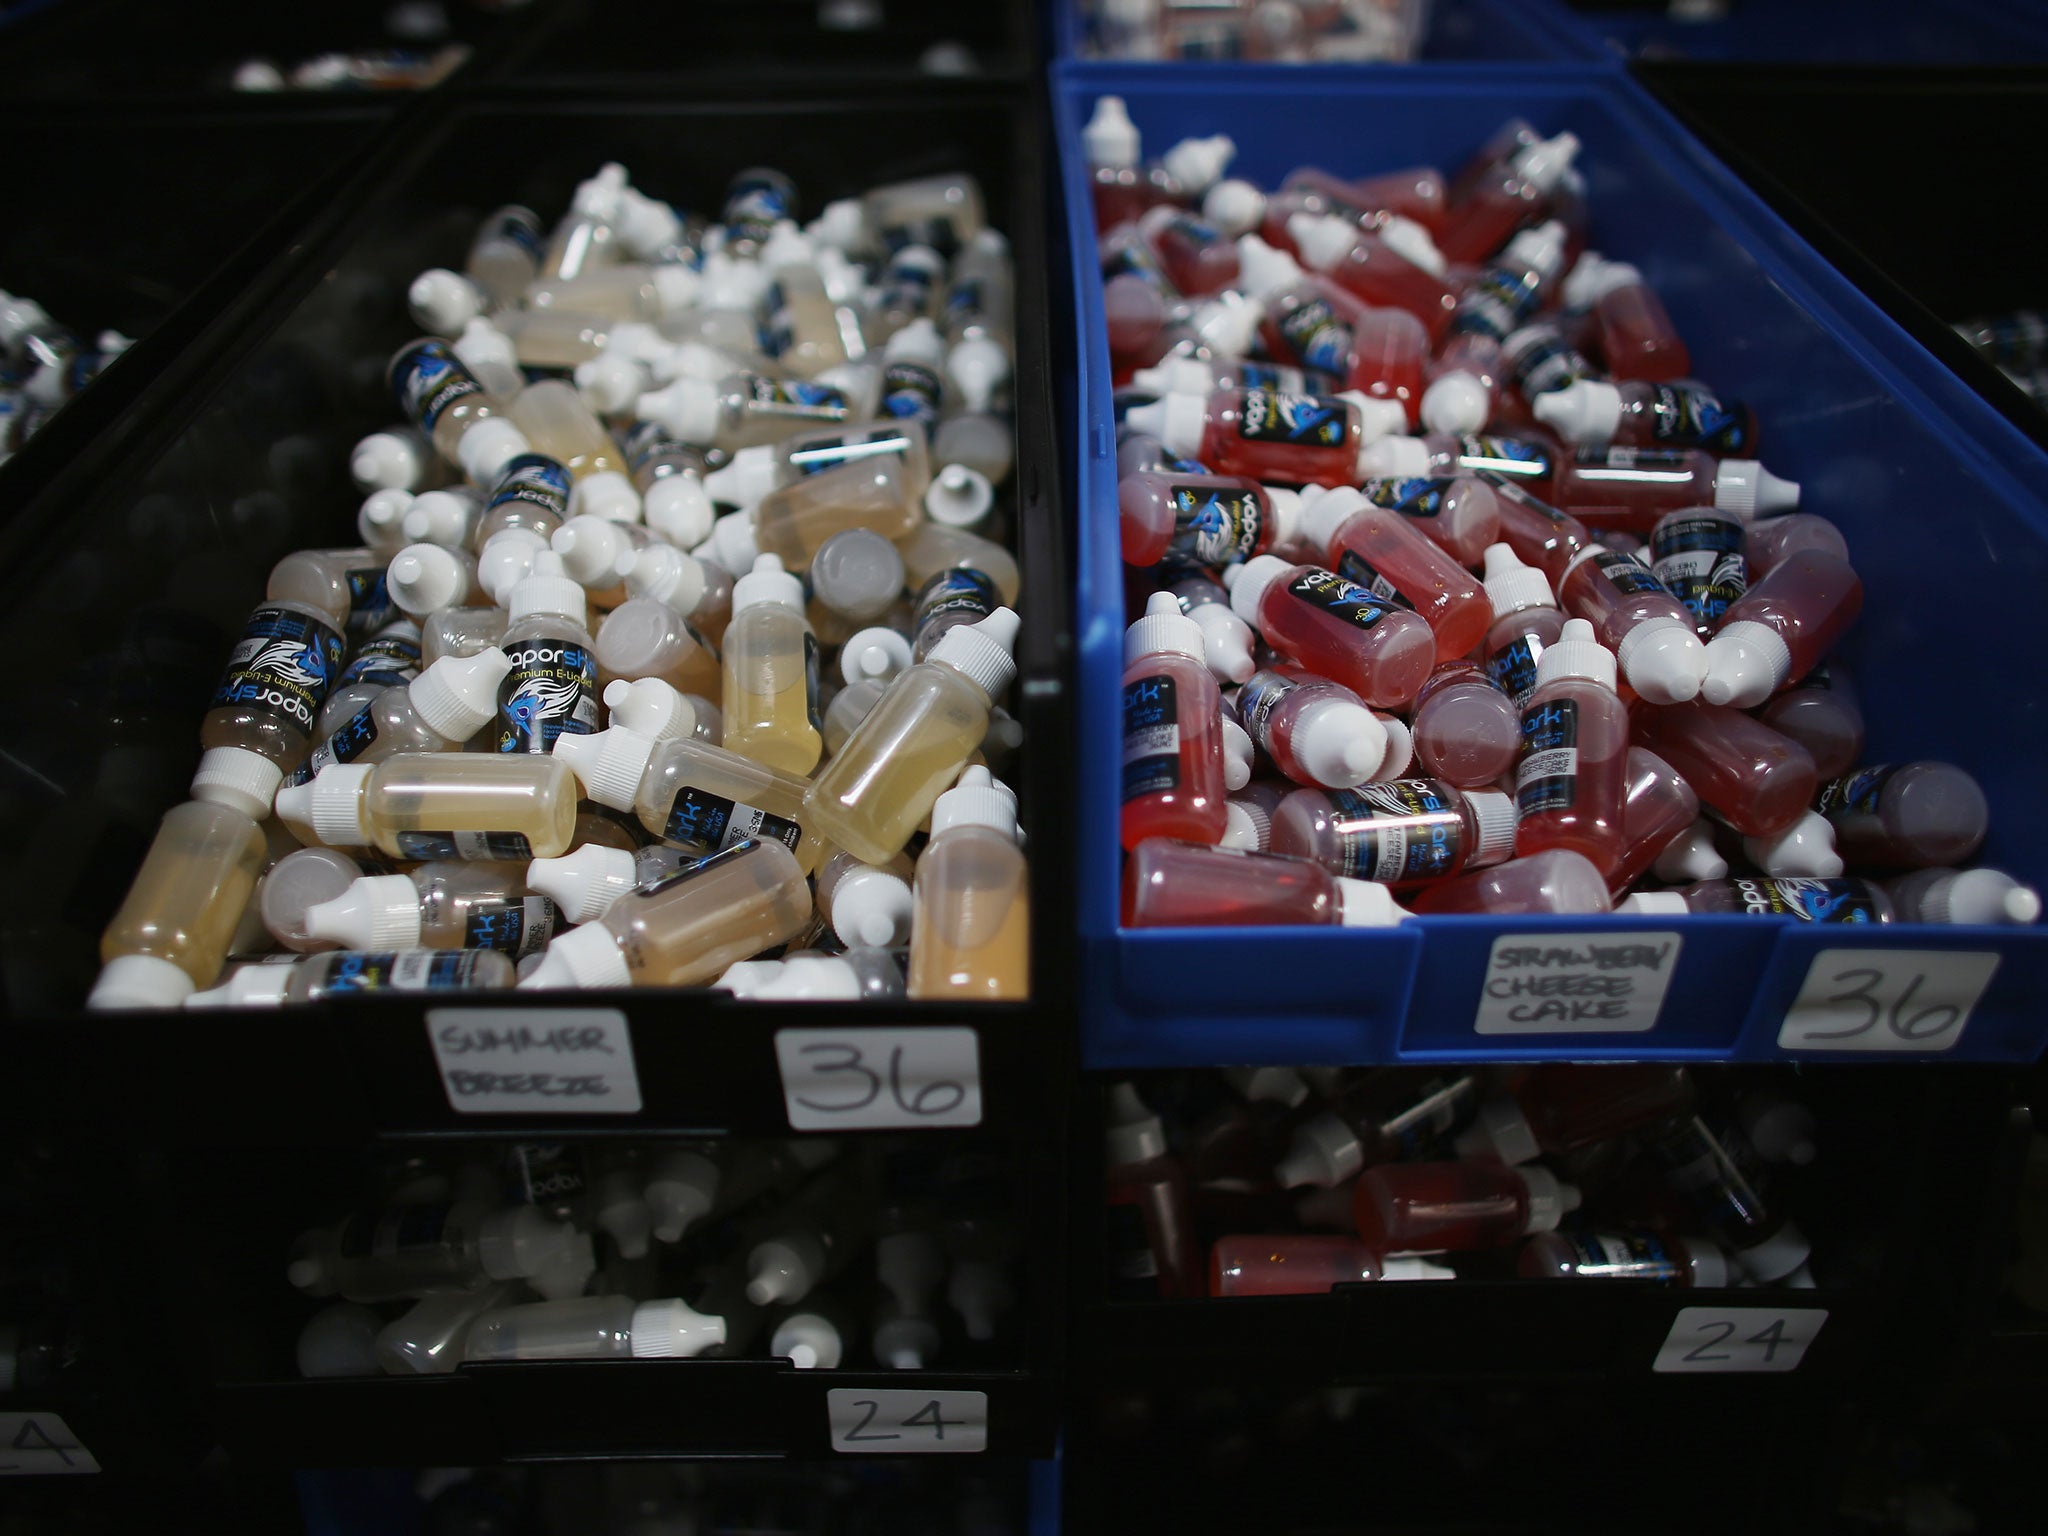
{"x": 41, "y": 1444}
{"x": 535, "y": 1061}
{"x": 882, "y": 1421}
{"x": 1576, "y": 983}
{"x": 1739, "y": 1339}
{"x": 1916, "y": 1000}
{"x": 879, "y": 1079}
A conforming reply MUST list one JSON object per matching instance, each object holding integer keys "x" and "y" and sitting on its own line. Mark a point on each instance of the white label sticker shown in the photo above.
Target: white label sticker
{"x": 1576, "y": 983}
{"x": 879, "y": 1079}
{"x": 41, "y": 1444}
{"x": 1915, "y": 1000}
{"x": 870, "y": 1421}
{"x": 535, "y": 1061}
{"x": 1739, "y": 1338}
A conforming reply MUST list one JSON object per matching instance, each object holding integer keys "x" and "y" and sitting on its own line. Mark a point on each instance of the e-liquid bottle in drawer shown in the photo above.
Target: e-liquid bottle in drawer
{"x": 440, "y": 805}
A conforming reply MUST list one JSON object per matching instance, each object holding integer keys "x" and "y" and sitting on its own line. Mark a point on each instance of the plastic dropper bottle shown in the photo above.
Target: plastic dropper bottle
{"x": 1199, "y": 520}
{"x": 412, "y": 1249}
{"x": 1781, "y": 628}
{"x": 793, "y": 520}
{"x": 1565, "y": 1107}
{"x": 1628, "y": 329}
{"x": 1526, "y": 623}
{"x": 1457, "y": 1207}
{"x": 856, "y": 578}
{"x": 1516, "y": 193}
{"x": 868, "y": 905}
{"x": 1635, "y": 616}
{"x": 438, "y": 711}
{"x": 1383, "y": 552}
{"x": 1779, "y": 538}
{"x": 1633, "y": 487}
{"x": 425, "y": 578}
{"x": 439, "y": 905}
{"x": 1541, "y": 361}
{"x": 349, "y": 582}
{"x": 592, "y": 1328}
{"x": 1151, "y": 1228}
{"x": 1263, "y": 433}
{"x": 302, "y": 879}
{"x": 1979, "y": 896}
{"x": 743, "y": 410}
{"x": 1289, "y": 1264}
{"x": 1658, "y": 808}
{"x": 1465, "y": 379}
{"x": 770, "y": 672}
{"x": 669, "y": 475}
{"x": 646, "y": 638}
{"x": 1556, "y": 881}
{"x": 1465, "y": 730}
{"x": 1592, "y": 413}
{"x": 1173, "y": 746}
{"x": 1315, "y": 731}
{"x": 1405, "y": 832}
{"x": 266, "y": 701}
{"x": 685, "y": 929}
{"x": 1820, "y": 712}
{"x": 1808, "y": 901}
{"x": 1698, "y": 557}
{"x": 971, "y": 937}
{"x": 912, "y": 745}
{"x": 172, "y": 931}
{"x": 338, "y": 972}
{"x": 1653, "y": 1257}
{"x": 596, "y": 552}
{"x": 1185, "y": 885}
{"x": 437, "y": 394}
{"x": 1226, "y": 639}
{"x": 558, "y": 424}
{"x": 551, "y": 690}
{"x": 448, "y": 518}
{"x": 531, "y": 493}
{"x": 1395, "y": 266}
{"x": 440, "y": 805}
{"x": 388, "y": 659}
{"x": 1571, "y": 782}
{"x": 1759, "y": 781}
{"x": 1539, "y": 534}
{"x": 584, "y": 884}
{"x": 1524, "y": 460}
{"x": 1905, "y": 816}
{"x": 505, "y": 255}
{"x": 1334, "y": 627}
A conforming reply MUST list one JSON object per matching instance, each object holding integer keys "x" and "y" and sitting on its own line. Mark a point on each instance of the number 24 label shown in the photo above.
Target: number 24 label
{"x": 1739, "y": 1338}
{"x": 1915, "y": 1000}
{"x": 888, "y": 1422}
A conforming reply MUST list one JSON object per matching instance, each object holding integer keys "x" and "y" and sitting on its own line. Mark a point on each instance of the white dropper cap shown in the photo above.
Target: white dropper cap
{"x": 1234, "y": 207}
{"x": 1238, "y": 754}
{"x": 682, "y": 1187}
{"x": 1132, "y": 1133}
{"x": 1323, "y": 512}
{"x": 1197, "y": 163}
{"x": 1177, "y": 374}
{"x": 506, "y": 560}
{"x": 877, "y": 653}
{"x": 1378, "y": 417}
{"x": 1239, "y": 829}
{"x": 1248, "y": 583}
{"x": 958, "y": 497}
{"x": 1228, "y": 322}
{"x": 593, "y": 550}
{"x": 1394, "y": 458}
{"x": 1663, "y": 660}
{"x": 1178, "y": 421}
{"x": 671, "y": 1330}
{"x": 1589, "y": 280}
{"x": 1257, "y": 818}
{"x": 872, "y": 907}
{"x": 904, "y": 1341}
{"x": 1456, "y": 402}
{"x": 1496, "y": 815}
{"x": 457, "y": 694}
{"x": 1653, "y": 904}
{"x": 809, "y": 1342}
{"x": 1544, "y": 163}
{"x": 1539, "y": 249}
{"x": 1576, "y": 653}
{"x": 1691, "y": 856}
{"x": 1512, "y": 586}
{"x": 548, "y": 589}
{"x": 139, "y": 981}
{"x": 666, "y": 574}
{"x": 747, "y": 477}
{"x": 587, "y": 958}
{"x": 382, "y": 518}
{"x": 253, "y": 986}
{"x": 1586, "y": 412}
{"x": 1367, "y": 904}
{"x": 679, "y": 509}
{"x": 1400, "y": 747}
{"x": 441, "y": 517}
{"x": 1338, "y": 742}
{"x": 978, "y": 367}
{"x": 840, "y": 224}
{"x": 1747, "y": 662}
{"x": 1500, "y": 1130}
{"x": 423, "y": 577}
{"x": 1746, "y": 488}
{"x": 976, "y": 801}
{"x": 377, "y": 912}
{"x": 688, "y": 408}
{"x": 487, "y": 447}
{"x": 1268, "y": 1085}
{"x": 1110, "y": 138}
{"x": 732, "y": 546}
{"x": 651, "y": 707}
{"x": 784, "y": 1268}
{"x": 608, "y": 764}
{"x": 981, "y": 651}
{"x": 443, "y": 302}
{"x": 1550, "y": 1199}
{"x": 330, "y": 806}
{"x": 606, "y": 494}
{"x": 1226, "y": 642}
{"x": 242, "y": 780}
{"x": 767, "y": 582}
{"x": 1163, "y": 630}
{"x": 1804, "y": 850}
{"x": 1982, "y": 896}
{"x": 1777, "y": 1255}
{"x": 484, "y": 350}
{"x": 1410, "y": 241}
{"x": 387, "y": 461}
{"x": 584, "y": 884}
{"x": 1324, "y": 1152}
{"x": 1323, "y": 239}
{"x": 1261, "y": 268}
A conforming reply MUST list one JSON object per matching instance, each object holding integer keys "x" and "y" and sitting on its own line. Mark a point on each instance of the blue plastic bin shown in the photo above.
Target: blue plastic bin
{"x": 1460, "y": 31}
{"x": 1823, "y": 32}
{"x": 1941, "y": 501}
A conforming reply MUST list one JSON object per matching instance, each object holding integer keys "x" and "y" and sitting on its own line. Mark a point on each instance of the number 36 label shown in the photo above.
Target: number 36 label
{"x": 879, "y": 1079}
{"x": 1915, "y": 1000}
{"x": 1739, "y": 1338}
{"x": 882, "y": 1421}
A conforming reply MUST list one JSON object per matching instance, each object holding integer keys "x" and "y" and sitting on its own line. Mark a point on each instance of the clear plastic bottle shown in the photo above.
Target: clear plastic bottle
{"x": 934, "y": 547}
{"x": 1698, "y": 557}
{"x": 1466, "y": 731}
{"x": 427, "y": 1339}
{"x": 791, "y": 521}
{"x": 1334, "y": 627}
{"x": 849, "y": 706}
{"x": 443, "y": 517}
{"x": 298, "y": 882}
{"x": 1963, "y": 896}
{"x": 338, "y": 971}
{"x": 1384, "y": 268}
{"x": 440, "y": 805}
{"x": 560, "y": 426}
{"x": 906, "y": 292}
{"x": 1591, "y": 413}
{"x": 770, "y": 672}
{"x": 1289, "y": 1264}
{"x": 1315, "y": 731}
{"x": 1659, "y": 806}
{"x": 460, "y": 632}
{"x": 262, "y": 712}
{"x": 1628, "y": 327}
{"x": 1457, "y": 1207}
{"x": 1566, "y": 1107}
{"x": 1774, "y": 539}
{"x": 1632, "y": 487}
{"x": 173, "y": 928}
{"x": 1781, "y": 628}
{"x": 1634, "y": 615}
{"x": 348, "y": 582}
{"x": 1151, "y": 1228}
{"x": 1571, "y": 781}
{"x": 592, "y": 1328}
{"x": 1402, "y": 833}
{"x": 1653, "y": 1257}
{"x": 912, "y": 745}
{"x": 1905, "y": 816}
{"x": 439, "y": 905}
{"x": 505, "y": 256}
{"x": 1539, "y": 534}
{"x": 1262, "y": 433}
{"x": 743, "y": 409}
{"x": 1497, "y": 460}
{"x": 1196, "y": 520}
{"x": 1465, "y": 378}
{"x": 585, "y": 883}
{"x": 745, "y": 480}
{"x": 551, "y": 690}
{"x": 1847, "y": 900}
{"x": 436, "y": 393}
{"x": 438, "y": 711}
{"x": 868, "y": 905}
{"x": 532, "y": 493}
{"x": 971, "y": 937}
{"x": 596, "y": 553}
{"x": 856, "y": 576}
{"x": 1526, "y": 623}
{"x": 1558, "y": 880}
{"x": 420, "y": 1249}
{"x": 1173, "y": 749}
{"x": 1759, "y": 781}
{"x": 1226, "y": 639}
{"x": 1821, "y": 713}
{"x": 1390, "y": 557}
{"x": 669, "y": 475}
{"x": 645, "y": 638}
{"x": 1185, "y": 885}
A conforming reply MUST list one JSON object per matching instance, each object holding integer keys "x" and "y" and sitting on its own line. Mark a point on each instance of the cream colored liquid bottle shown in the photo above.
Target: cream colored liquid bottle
{"x": 260, "y": 723}
{"x": 934, "y": 547}
{"x": 644, "y": 638}
{"x": 460, "y": 632}
{"x": 443, "y": 904}
{"x": 912, "y": 745}
{"x": 531, "y": 493}
{"x": 438, "y": 711}
{"x": 793, "y": 521}
{"x": 551, "y": 690}
{"x": 686, "y": 928}
{"x": 770, "y": 672}
{"x": 440, "y": 805}
{"x": 972, "y": 933}
{"x": 559, "y": 425}
{"x": 348, "y": 582}
{"x": 172, "y": 932}
{"x": 442, "y": 398}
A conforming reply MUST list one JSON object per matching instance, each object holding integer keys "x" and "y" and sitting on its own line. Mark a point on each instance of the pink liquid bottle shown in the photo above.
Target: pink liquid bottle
{"x": 1185, "y": 885}
{"x": 1525, "y": 460}
{"x": 1318, "y": 191}
{"x": 1633, "y": 487}
{"x": 1634, "y": 615}
{"x": 1491, "y": 158}
{"x": 1137, "y": 300}
{"x": 1559, "y": 881}
{"x": 1308, "y": 319}
{"x": 1539, "y": 534}
{"x": 1760, "y": 782}
{"x": 1389, "y": 357}
{"x": 1315, "y": 731}
{"x": 1289, "y": 1264}
{"x": 1403, "y": 833}
{"x": 1502, "y": 200}
{"x": 1180, "y": 373}
{"x": 1628, "y": 328}
{"x": 1456, "y": 1207}
{"x": 1334, "y": 627}
{"x": 1572, "y": 778}
{"x": 1197, "y": 260}
{"x": 1458, "y": 513}
{"x": 1526, "y": 622}
{"x": 1199, "y": 520}
{"x": 1541, "y": 360}
{"x": 1566, "y": 1107}
{"x": 1467, "y": 732}
{"x": 1804, "y": 900}
{"x": 1689, "y": 1263}
{"x": 1775, "y": 539}
{"x": 1514, "y": 286}
{"x": 1387, "y": 555}
{"x": 1979, "y": 896}
{"x": 1226, "y": 639}
{"x": 1658, "y": 807}
{"x": 1237, "y": 207}
{"x": 1591, "y": 413}
{"x": 1697, "y": 555}
{"x": 1173, "y": 740}
{"x": 1415, "y": 193}
{"x": 1123, "y": 189}
{"x": 1270, "y": 436}
{"x": 1464, "y": 383}
{"x": 1151, "y": 1228}
{"x": 1907, "y": 816}
{"x": 1384, "y": 269}
{"x": 1821, "y": 713}
{"x": 1781, "y": 628}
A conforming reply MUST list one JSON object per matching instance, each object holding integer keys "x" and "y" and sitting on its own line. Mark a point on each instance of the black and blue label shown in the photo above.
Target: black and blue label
{"x": 910, "y": 392}
{"x": 536, "y": 479}
{"x": 1343, "y": 599}
{"x": 1318, "y": 335}
{"x": 1214, "y": 525}
{"x": 550, "y": 692}
{"x": 1548, "y": 776}
{"x": 702, "y": 820}
{"x": 1513, "y": 667}
{"x": 1151, "y": 737}
{"x": 389, "y": 659}
{"x": 412, "y": 970}
{"x": 755, "y": 202}
{"x": 283, "y": 665}
{"x": 1401, "y": 831}
{"x": 369, "y": 599}
{"x": 349, "y": 742}
{"x": 1415, "y": 496}
{"x": 1807, "y": 900}
{"x": 1543, "y": 361}
{"x": 1628, "y": 574}
{"x": 477, "y": 847}
{"x": 1699, "y": 558}
{"x": 1353, "y": 566}
{"x": 517, "y": 926}
{"x": 1499, "y": 300}
{"x": 1687, "y": 416}
{"x": 427, "y": 378}
{"x": 1858, "y": 791}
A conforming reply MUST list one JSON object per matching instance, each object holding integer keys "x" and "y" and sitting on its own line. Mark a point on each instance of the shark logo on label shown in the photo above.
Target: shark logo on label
{"x": 290, "y": 662}
{"x": 537, "y": 703}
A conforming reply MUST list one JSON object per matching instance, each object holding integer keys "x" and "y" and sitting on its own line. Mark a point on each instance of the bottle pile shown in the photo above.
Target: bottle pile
{"x": 1263, "y": 31}
{"x": 819, "y": 1252}
{"x": 1288, "y": 1183}
{"x": 556, "y": 713}
{"x": 42, "y": 365}
{"x": 1571, "y": 639}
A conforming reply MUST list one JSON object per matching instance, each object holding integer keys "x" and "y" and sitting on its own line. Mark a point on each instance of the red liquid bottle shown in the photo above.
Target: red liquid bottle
{"x": 1382, "y": 269}
{"x": 1698, "y": 557}
{"x": 1571, "y": 781}
{"x": 1758, "y": 780}
{"x": 1658, "y": 806}
{"x": 1559, "y": 881}
{"x": 1635, "y": 616}
{"x": 1456, "y": 1207}
{"x": 1315, "y": 731}
{"x": 1540, "y": 361}
{"x": 1540, "y": 534}
{"x": 1910, "y": 816}
{"x": 1503, "y": 201}
{"x": 1774, "y": 539}
{"x": 1567, "y": 1107}
{"x": 1627, "y": 328}
{"x": 1633, "y": 487}
{"x": 1199, "y": 520}
{"x": 1389, "y": 355}
{"x": 1173, "y": 739}
{"x": 1309, "y": 320}
{"x": 1405, "y": 832}
{"x": 1591, "y": 413}
{"x": 1466, "y": 730}
{"x": 1384, "y": 553}
{"x": 1514, "y": 285}
{"x": 1491, "y": 158}
{"x": 1123, "y": 188}
{"x": 1458, "y": 513}
{"x": 1185, "y": 885}
{"x": 1334, "y": 627}
{"x": 1265, "y": 434}
{"x": 1289, "y": 1264}
{"x": 1320, "y": 192}
{"x": 1197, "y": 259}
{"x": 1526, "y": 460}
{"x": 1822, "y": 715}
{"x": 1151, "y": 1237}
{"x": 1781, "y": 629}
{"x": 1806, "y": 901}
{"x": 1691, "y": 1263}
{"x": 1464, "y": 384}
{"x": 1526, "y": 622}
{"x": 1415, "y": 193}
